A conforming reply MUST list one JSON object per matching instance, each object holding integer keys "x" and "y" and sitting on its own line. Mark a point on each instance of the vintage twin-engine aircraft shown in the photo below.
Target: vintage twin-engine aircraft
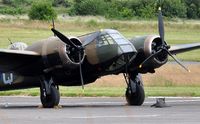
{"x": 77, "y": 61}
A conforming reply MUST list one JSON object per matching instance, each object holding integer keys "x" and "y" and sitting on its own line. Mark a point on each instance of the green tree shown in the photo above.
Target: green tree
{"x": 174, "y": 8}
{"x": 119, "y": 10}
{"x": 143, "y": 8}
{"x": 58, "y": 3}
{"x": 42, "y": 11}
{"x": 88, "y": 7}
{"x": 16, "y": 3}
{"x": 193, "y": 8}
{"x": 7, "y": 2}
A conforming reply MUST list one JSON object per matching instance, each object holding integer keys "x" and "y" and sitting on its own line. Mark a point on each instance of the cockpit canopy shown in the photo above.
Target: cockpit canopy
{"x": 108, "y": 46}
{"x": 109, "y": 37}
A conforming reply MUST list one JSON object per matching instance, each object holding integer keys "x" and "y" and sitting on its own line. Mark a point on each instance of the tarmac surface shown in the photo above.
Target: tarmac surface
{"x": 28, "y": 110}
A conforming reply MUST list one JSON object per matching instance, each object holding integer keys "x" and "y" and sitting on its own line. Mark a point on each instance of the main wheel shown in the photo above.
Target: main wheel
{"x": 136, "y": 98}
{"x": 135, "y": 93}
{"x": 51, "y": 100}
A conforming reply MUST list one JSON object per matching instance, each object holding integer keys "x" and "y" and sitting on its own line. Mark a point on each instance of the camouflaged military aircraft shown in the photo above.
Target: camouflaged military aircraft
{"x": 76, "y": 61}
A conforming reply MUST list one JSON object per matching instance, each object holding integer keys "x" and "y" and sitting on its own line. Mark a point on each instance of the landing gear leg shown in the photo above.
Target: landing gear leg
{"x": 49, "y": 94}
{"x": 135, "y": 92}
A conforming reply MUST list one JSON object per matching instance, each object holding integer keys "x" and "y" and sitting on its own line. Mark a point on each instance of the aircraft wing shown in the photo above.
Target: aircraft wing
{"x": 12, "y": 60}
{"x": 176, "y": 49}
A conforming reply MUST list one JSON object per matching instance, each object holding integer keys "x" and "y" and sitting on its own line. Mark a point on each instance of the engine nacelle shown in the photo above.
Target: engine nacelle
{"x": 71, "y": 57}
{"x": 56, "y": 54}
{"x": 146, "y": 46}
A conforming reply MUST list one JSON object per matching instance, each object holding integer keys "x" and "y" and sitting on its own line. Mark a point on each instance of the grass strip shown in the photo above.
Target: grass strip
{"x": 109, "y": 91}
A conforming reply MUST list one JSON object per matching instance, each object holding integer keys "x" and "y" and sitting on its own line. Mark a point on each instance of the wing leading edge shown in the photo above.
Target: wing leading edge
{"x": 176, "y": 49}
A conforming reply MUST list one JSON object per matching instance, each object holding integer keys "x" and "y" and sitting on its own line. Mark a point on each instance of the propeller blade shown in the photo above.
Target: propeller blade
{"x": 178, "y": 61}
{"x": 150, "y": 57}
{"x": 81, "y": 73}
{"x": 161, "y": 26}
{"x": 63, "y": 38}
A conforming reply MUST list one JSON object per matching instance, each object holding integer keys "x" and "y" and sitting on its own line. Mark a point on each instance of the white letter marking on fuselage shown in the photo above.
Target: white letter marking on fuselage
{"x": 7, "y": 78}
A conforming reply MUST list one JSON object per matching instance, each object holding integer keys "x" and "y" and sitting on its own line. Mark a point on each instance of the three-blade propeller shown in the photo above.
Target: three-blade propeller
{"x": 77, "y": 48}
{"x": 164, "y": 46}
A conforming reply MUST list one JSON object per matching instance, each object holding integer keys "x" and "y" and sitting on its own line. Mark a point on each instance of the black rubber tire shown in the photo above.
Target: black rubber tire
{"x": 50, "y": 100}
{"x": 137, "y": 98}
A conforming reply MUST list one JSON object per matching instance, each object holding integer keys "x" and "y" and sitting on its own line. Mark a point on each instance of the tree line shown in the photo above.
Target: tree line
{"x": 126, "y": 9}
{"x": 114, "y": 9}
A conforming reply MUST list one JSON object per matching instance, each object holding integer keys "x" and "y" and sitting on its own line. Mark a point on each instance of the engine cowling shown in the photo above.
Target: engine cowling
{"x": 57, "y": 54}
{"x": 146, "y": 46}
{"x": 74, "y": 57}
